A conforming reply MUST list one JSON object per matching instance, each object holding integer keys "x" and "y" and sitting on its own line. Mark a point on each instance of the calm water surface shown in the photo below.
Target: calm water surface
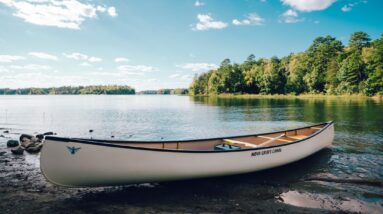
{"x": 357, "y": 152}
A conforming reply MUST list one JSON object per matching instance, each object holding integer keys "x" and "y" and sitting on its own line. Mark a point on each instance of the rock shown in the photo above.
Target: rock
{"x": 25, "y": 136}
{"x": 40, "y": 136}
{"x": 2, "y": 153}
{"x": 34, "y": 148}
{"x": 2, "y": 135}
{"x": 18, "y": 151}
{"x": 6, "y": 131}
{"x": 12, "y": 143}
{"x": 90, "y": 130}
{"x": 49, "y": 133}
{"x": 26, "y": 143}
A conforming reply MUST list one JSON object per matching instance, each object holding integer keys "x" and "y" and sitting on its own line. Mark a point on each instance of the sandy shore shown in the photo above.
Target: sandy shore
{"x": 24, "y": 190}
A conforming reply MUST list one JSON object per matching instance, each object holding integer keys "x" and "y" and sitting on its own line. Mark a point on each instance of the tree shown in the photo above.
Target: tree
{"x": 325, "y": 67}
{"x": 295, "y": 71}
{"x": 373, "y": 57}
{"x": 351, "y": 73}
{"x": 319, "y": 54}
{"x": 359, "y": 40}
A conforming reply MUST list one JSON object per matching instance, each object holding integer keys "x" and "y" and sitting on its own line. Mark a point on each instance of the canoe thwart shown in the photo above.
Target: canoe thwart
{"x": 271, "y": 140}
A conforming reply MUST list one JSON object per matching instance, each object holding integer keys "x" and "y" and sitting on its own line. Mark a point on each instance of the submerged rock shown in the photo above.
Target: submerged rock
{"x": 12, "y": 143}
{"x": 18, "y": 151}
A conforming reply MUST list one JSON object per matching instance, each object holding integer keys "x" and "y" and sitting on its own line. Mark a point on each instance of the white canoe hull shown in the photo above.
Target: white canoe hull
{"x": 99, "y": 165}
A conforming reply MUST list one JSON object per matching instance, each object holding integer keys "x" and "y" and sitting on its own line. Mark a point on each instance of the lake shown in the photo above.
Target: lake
{"x": 356, "y": 154}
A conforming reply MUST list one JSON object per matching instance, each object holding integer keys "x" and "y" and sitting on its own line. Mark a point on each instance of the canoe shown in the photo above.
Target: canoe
{"x": 75, "y": 162}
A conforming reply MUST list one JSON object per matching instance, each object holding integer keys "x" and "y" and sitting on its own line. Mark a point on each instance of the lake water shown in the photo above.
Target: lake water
{"x": 357, "y": 151}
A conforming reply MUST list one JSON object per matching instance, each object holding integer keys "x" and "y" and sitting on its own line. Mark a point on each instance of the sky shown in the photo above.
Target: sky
{"x": 154, "y": 44}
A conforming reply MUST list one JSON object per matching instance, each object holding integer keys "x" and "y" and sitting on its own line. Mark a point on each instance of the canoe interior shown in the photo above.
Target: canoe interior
{"x": 243, "y": 142}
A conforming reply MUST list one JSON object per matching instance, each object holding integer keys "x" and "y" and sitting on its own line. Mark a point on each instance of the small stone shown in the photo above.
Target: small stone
{"x": 2, "y": 135}
{"x": 91, "y": 130}
{"x": 12, "y": 143}
{"x": 48, "y": 133}
{"x": 6, "y": 131}
{"x": 18, "y": 151}
{"x": 40, "y": 136}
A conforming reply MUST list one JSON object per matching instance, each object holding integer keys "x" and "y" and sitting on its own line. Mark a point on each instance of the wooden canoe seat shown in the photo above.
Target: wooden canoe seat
{"x": 297, "y": 137}
{"x": 275, "y": 138}
{"x": 239, "y": 142}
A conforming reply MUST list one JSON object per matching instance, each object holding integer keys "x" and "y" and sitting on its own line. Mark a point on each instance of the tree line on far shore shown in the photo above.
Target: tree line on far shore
{"x": 326, "y": 67}
{"x": 176, "y": 91}
{"x": 70, "y": 90}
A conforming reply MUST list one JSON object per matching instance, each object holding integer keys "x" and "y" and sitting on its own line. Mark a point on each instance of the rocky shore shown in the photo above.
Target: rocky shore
{"x": 23, "y": 189}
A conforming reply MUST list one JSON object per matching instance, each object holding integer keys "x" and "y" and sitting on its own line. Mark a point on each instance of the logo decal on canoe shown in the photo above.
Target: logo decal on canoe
{"x": 266, "y": 152}
{"x": 72, "y": 150}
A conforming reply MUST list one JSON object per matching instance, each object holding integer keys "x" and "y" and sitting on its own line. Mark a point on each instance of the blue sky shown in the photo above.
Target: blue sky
{"x": 152, "y": 44}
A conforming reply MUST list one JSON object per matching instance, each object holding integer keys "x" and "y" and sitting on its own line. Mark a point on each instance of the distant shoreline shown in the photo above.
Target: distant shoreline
{"x": 234, "y": 96}
{"x": 291, "y": 96}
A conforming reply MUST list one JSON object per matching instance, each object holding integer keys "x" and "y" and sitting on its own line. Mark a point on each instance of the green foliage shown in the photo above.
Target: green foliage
{"x": 97, "y": 89}
{"x": 359, "y": 40}
{"x": 325, "y": 67}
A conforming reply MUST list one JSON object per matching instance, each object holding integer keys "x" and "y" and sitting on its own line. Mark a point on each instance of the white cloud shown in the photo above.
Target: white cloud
{"x": 205, "y": 22}
{"x": 101, "y": 9}
{"x": 291, "y": 16}
{"x": 309, "y": 5}
{"x": 349, "y": 7}
{"x": 85, "y": 64}
{"x": 121, "y": 59}
{"x": 10, "y": 58}
{"x": 198, "y": 66}
{"x": 94, "y": 59}
{"x": 346, "y": 8}
{"x": 199, "y": 3}
{"x": 112, "y": 11}
{"x": 186, "y": 77}
{"x": 173, "y": 76}
{"x": 136, "y": 69}
{"x": 30, "y": 67}
{"x": 82, "y": 57}
{"x": 43, "y": 55}
{"x": 63, "y": 14}
{"x": 251, "y": 19}
{"x": 76, "y": 56}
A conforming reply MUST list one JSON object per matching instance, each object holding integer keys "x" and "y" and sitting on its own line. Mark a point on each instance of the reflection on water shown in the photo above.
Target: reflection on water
{"x": 357, "y": 152}
{"x": 303, "y": 199}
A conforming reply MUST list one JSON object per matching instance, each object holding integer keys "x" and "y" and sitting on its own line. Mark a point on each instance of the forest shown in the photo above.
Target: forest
{"x": 326, "y": 67}
{"x": 95, "y": 89}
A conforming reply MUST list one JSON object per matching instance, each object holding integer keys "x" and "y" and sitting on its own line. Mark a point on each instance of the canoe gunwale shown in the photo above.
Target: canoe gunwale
{"x": 109, "y": 143}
